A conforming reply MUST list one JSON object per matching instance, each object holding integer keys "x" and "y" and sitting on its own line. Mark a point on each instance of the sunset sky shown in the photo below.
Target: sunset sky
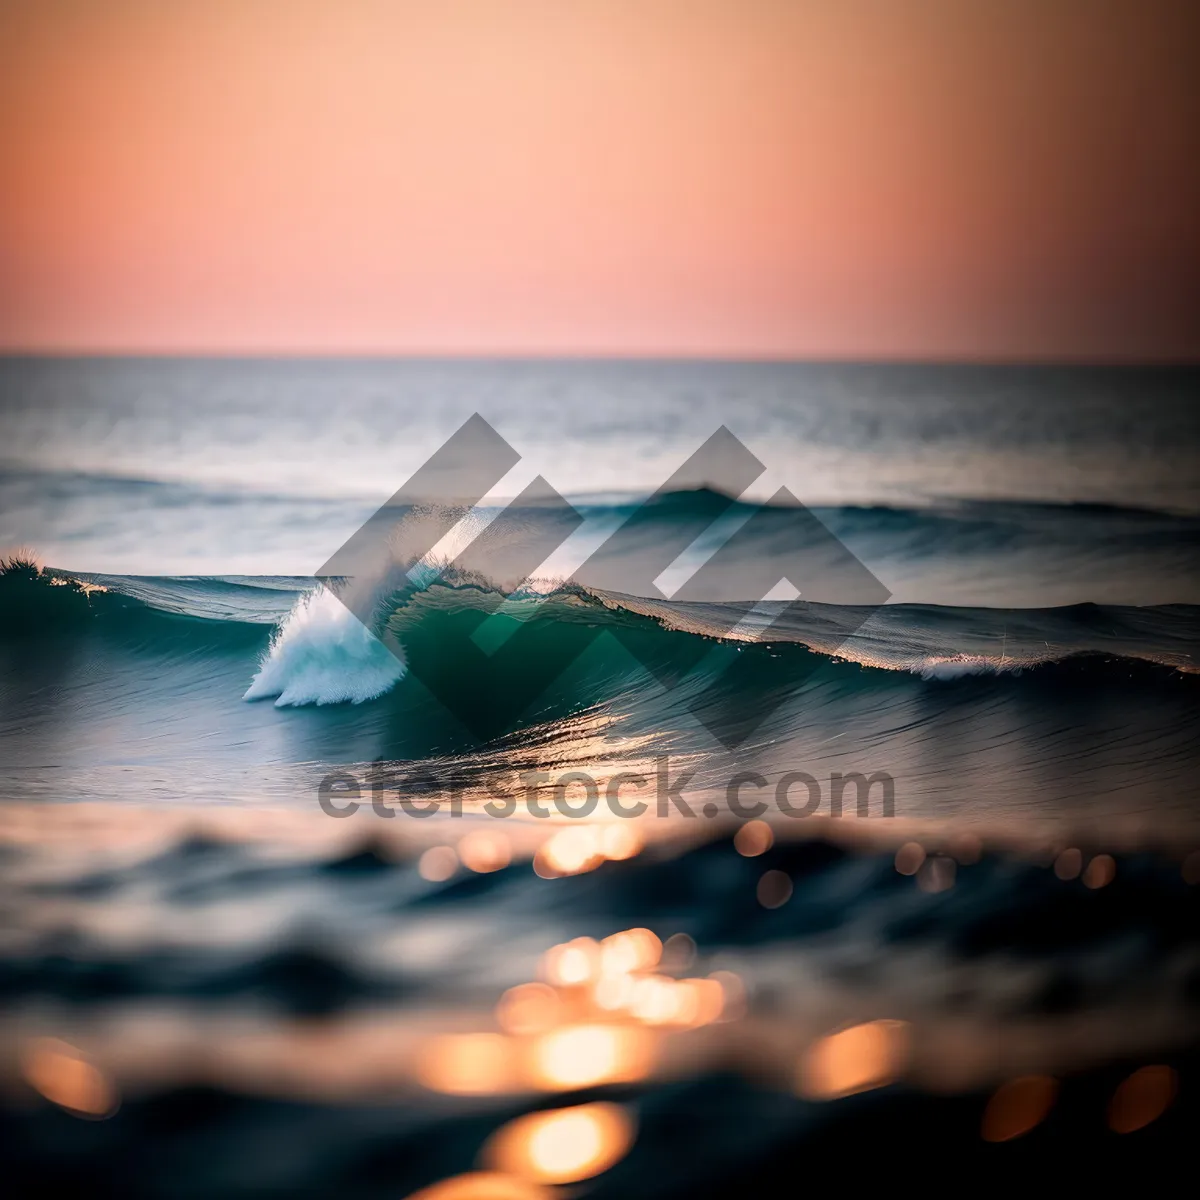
{"x": 991, "y": 179}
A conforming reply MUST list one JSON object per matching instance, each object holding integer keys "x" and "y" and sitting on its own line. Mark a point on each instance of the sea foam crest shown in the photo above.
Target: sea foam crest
{"x": 323, "y": 654}
{"x": 959, "y": 665}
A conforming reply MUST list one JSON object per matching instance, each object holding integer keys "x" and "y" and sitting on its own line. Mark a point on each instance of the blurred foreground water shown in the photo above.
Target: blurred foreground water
{"x": 240, "y": 1002}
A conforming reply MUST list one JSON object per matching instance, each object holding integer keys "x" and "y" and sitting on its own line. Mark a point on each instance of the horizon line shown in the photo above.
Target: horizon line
{"x": 715, "y": 358}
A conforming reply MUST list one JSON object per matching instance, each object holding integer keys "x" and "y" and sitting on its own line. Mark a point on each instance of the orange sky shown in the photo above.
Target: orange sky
{"x": 785, "y": 178}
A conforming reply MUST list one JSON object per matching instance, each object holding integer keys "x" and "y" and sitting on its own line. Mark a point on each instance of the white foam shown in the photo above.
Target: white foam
{"x": 960, "y": 665}
{"x": 323, "y": 654}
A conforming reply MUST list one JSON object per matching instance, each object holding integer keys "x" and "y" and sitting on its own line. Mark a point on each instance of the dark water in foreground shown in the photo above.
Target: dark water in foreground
{"x": 272, "y": 1014}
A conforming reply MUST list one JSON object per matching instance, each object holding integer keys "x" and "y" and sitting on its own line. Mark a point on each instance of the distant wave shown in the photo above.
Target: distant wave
{"x": 942, "y": 550}
{"x": 23, "y": 473}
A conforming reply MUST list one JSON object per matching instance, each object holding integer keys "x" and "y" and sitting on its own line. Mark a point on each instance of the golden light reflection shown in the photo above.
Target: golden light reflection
{"x": 1101, "y": 871}
{"x": 571, "y": 964}
{"x": 1142, "y": 1098}
{"x": 620, "y": 978}
{"x": 485, "y": 850}
{"x": 621, "y": 841}
{"x": 570, "y": 851}
{"x": 614, "y": 992}
{"x": 563, "y": 1146}
{"x": 65, "y": 1077}
{"x": 659, "y": 1000}
{"x": 655, "y": 1000}
{"x": 528, "y": 1008}
{"x": 629, "y": 950}
{"x": 483, "y": 1185}
{"x": 583, "y": 847}
{"x": 437, "y": 864}
{"x": 1018, "y": 1106}
{"x": 687, "y": 1002}
{"x": 753, "y": 838}
{"x": 469, "y": 1064}
{"x": 854, "y": 1060}
{"x": 909, "y": 858}
{"x": 585, "y": 1055}
{"x": 597, "y": 1016}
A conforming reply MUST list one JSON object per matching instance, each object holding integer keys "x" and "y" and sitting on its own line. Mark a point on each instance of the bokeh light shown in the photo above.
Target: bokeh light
{"x": 438, "y": 864}
{"x": 909, "y": 858}
{"x": 562, "y": 1146}
{"x": 753, "y": 838}
{"x": 854, "y": 1060}
{"x": 1018, "y": 1106}
{"x": 528, "y": 1008}
{"x": 1101, "y": 871}
{"x": 1068, "y": 864}
{"x": 65, "y": 1076}
{"x": 570, "y": 851}
{"x": 485, "y": 850}
{"x": 469, "y": 1064}
{"x": 620, "y": 841}
{"x": 483, "y": 1185}
{"x": 571, "y": 964}
{"x": 578, "y": 1056}
{"x": 630, "y": 950}
{"x": 1142, "y": 1099}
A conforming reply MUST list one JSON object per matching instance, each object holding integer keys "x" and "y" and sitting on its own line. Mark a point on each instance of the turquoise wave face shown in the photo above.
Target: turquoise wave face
{"x": 238, "y": 686}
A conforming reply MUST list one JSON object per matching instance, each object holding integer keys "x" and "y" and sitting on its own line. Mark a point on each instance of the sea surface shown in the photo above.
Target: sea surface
{"x": 200, "y": 916}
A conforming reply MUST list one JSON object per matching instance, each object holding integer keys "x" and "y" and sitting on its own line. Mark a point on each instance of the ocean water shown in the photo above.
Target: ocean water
{"x": 1035, "y": 534}
{"x": 997, "y": 621}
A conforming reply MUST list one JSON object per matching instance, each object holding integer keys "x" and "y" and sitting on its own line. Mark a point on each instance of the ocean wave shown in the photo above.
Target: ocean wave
{"x": 323, "y": 654}
{"x": 310, "y": 621}
{"x": 155, "y": 672}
